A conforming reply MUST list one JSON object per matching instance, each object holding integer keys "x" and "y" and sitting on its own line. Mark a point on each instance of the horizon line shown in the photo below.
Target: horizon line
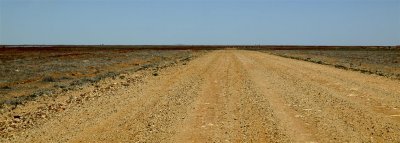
{"x": 47, "y": 45}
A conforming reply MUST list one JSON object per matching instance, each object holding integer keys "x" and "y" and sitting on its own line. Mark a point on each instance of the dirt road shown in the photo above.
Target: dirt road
{"x": 234, "y": 96}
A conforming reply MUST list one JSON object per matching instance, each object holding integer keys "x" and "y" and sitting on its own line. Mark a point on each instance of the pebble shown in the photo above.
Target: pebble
{"x": 351, "y": 95}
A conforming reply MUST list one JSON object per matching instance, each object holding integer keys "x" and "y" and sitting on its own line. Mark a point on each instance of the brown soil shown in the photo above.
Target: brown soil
{"x": 223, "y": 96}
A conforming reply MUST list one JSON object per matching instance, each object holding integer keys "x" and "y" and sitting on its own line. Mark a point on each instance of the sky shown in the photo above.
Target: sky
{"x": 200, "y": 22}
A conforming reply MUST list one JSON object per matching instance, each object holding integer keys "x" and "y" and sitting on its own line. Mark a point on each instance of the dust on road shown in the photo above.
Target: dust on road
{"x": 235, "y": 96}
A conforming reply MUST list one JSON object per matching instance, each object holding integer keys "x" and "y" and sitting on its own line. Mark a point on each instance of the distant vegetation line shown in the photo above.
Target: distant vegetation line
{"x": 201, "y": 47}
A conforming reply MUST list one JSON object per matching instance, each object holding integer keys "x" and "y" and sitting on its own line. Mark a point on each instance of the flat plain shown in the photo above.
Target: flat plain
{"x": 228, "y": 95}
{"x": 372, "y": 61}
{"x": 26, "y": 73}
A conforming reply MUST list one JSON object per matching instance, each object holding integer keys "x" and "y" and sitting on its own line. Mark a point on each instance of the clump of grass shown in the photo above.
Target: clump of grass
{"x": 13, "y": 102}
{"x": 49, "y": 79}
{"x": 5, "y": 88}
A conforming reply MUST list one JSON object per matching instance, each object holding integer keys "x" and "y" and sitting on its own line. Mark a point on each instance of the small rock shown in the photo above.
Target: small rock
{"x": 299, "y": 116}
{"x": 351, "y": 95}
{"x": 354, "y": 89}
{"x": 155, "y": 74}
{"x": 13, "y": 125}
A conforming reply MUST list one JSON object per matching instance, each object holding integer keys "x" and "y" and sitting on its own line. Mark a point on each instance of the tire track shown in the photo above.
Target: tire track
{"x": 295, "y": 128}
{"x": 336, "y": 118}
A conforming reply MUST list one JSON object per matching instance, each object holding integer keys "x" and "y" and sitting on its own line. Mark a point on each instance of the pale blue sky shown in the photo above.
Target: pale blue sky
{"x": 305, "y": 22}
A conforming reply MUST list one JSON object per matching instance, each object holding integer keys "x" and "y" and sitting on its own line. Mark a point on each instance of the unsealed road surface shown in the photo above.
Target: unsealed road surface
{"x": 236, "y": 96}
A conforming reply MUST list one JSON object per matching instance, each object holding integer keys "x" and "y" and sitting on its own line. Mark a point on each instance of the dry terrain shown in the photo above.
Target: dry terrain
{"x": 379, "y": 61}
{"x": 27, "y": 73}
{"x": 221, "y": 96}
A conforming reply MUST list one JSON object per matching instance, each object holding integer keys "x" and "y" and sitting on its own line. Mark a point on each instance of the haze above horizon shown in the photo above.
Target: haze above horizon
{"x": 200, "y": 22}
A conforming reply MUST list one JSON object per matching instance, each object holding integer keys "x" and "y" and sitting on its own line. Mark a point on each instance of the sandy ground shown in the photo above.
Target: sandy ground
{"x": 231, "y": 96}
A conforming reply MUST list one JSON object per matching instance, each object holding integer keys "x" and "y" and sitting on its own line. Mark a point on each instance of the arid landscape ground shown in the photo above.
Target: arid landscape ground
{"x": 190, "y": 95}
{"x": 373, "y": 61}
{"x": 30, "y": 72}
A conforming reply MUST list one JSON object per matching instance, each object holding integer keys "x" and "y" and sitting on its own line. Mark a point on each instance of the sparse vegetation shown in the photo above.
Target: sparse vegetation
{"x": 49, "y": 79}
{"x": 382, "y": 62}
{"x": 25, "y": 73}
